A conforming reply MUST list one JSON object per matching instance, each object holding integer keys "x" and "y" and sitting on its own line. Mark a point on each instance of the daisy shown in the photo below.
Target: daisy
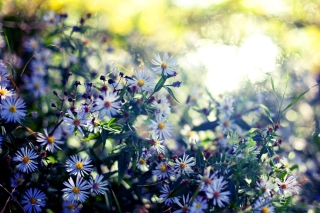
{"x": 143, "y": 81}
{"x": 165, "y": 190}
{"x": 185, "y": 206}
{"x": 38, "y": 67}
{"x": 97, "y": 185}
{"x": 4, "y": 93}
{"x": 163, "y": 170}
{"x": 215, "y": 192}
{"x": 226, "y": 124}
{"x": 51, "y": 18}
{"x": 50, "y": 141}
{"x": 3, "y": 74}
{"x": 35, "y": 85}
{"x": 44, "y": 55}
{"x": 165, "y": 65}
{"x": 32, "y": 45}
{"x": 78, "y": 166}
{"x": 76, "y": 122}
{"x": 162, "y": 107}
{"x": 17, "y": 179}
{"x": 264, "y": 185}
{"x": 25, "y": 157}
{"x": 226, "y": 106}
{"x": 183, "y": 166}
{"x": 263, "y": 207}
{"x": 13, "y": 109}
{"x": 284, "y": 161}
{"x": 142, "y": 164}
{"x": 33, "y": 200}
{"x": 71, "y": 206}
{"x": 207, "y": 180}
{"x": 76, "y": 191}
{"x": 157, "y": 144}
{"x": 161, "y": 128}
{"x": 199, "y": 205}
{"x": 107, "y": 104}
{"x": 289, "y": 186}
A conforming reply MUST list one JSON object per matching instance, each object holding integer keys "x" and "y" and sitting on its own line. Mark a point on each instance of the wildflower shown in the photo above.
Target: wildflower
{"x": 265, "y": 185}
{"x": 76, "y": 191}
{"x": 76, "y": 122}
{"x": 142, "y": 164}
{"x": 32, "y": 45}
{"x": 143, "y": 80}
{"x": 3, "y": 74}
{"x": 51, "y": 18}
{"x": 162, "y": 107}
{"x": 157, "y": 144}
{"x": 261, "y": 206}
{"x": 50, "y": 141}
{"x": 4, "y": 93}
{"x": 165, "y": 190}
{"x": 289, "y": 185}
{"x": 38, "y": 67}
{"x": 165, "y": 65}
{"x": 107, "y": 104}
{"x": 97, "y": 185}
{"x": 36, "y": 85}
{"x": 226, "y": 124}
{"x": 33, "y": 200}
{"x": 25, "y": 157}
{"x": 44, "y": 55}
{"x": 226, "y": 106}
{"x": 199, "y": 205}
{"x": 13, "y": 109}
{"x": 161, "y": 128}
{"x": 17, "y": 179}
{"x": 78, "y": 166}
{"x": 184, "y": 165}
{"x": 163, "y": 170}
{"x": 215, "y": 192}
{"x": 185, "y": 206}
{"x": 71, "y": 206}
{"x": 284, "y": 161}
{"x": 207, "y": 180}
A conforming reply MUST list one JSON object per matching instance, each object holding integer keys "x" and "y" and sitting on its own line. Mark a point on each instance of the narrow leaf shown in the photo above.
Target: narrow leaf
{"x": 123, "y": 164}
{"x": 160, "y": 84}
{"x": 171, "y": 93}
{"x": 267, "y": 111}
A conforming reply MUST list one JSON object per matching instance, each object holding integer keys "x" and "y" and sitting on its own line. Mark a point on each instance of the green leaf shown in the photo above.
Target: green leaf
{"x": 91, "y": 137}
{"x": 294, "y": 167}
{"x": 206, "y": 126}
{"x": 267, "y": 111}
{"x": 296, "y": 99}
{"x": 199, "y": 159}
{"x": 171, "y": 93}
{"x": 123, "y": 163}
{"x": 120, "y": 136}
{"x": 160, "y": 84}
{"x": 103, "y": 138}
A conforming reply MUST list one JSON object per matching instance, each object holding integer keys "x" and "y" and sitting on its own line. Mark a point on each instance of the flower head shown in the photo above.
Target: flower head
{"x": 71, "y": 206}
{"x": 143, "y": 81}
{"x": 215, "y": 192}
{"x": 13, "y": 109}
{"x": 107, "y": 104}
{"x": 4, "y": 93}
{"x": 263, "y": 206}
{"x": 76, "y": 122}
{"x": 166, "y": 64}
{"x": 163, "y": 170}
{"x": 25, "y": 158}
{"x": 161, "y": 128}
{"x": 199, "y": 205}
{"x": 51, "y": 141}
{"x": 183, "y": 166}
{"x": 33, "y": 200}
{"x": 76, "y": 191}
{"x": 289, "y": 186}
{"x": 78, "y": 166}
{"x": 97, "y": 185}
{"x": 166, "y": 195}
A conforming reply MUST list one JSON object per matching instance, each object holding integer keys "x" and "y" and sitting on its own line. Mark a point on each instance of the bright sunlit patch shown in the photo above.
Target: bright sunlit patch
{"x": 194, "y": 3}
{"x": 228, "y": 65}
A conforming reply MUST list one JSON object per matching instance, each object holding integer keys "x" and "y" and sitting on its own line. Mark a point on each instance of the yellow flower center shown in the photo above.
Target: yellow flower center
{"x": 155, "y": 142}
{"x": 142, "y": 161}
{"x": 33, "y": 201}
{"x": 50, "y": 139}
{"x": 70, "y": 206}
{"x": 3, "y": 92}
{"x": 75, "y": 190}
{"x": 13, "y": 109}
{"x": 163, "y": 168}
{"x": 264, "y": 210}
{"x": 183, "y": 165}
{"x": 36, "y": 86}
{"x": 79, "y": 165}
{"x": 140, "y": 83}
{"x": 161, "y": 126}
{"x": 198, "y": 206}
{"x": 286, "y": 165}
{"x": 164, "y": 65}
{"x": 26, "y": 160}
{"x": 20, "y": 180}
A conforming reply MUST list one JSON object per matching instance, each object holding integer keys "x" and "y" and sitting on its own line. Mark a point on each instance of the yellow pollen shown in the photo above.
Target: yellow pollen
{"x": 79, "y": 165}
{"x": 3, "y": 92}
{"x": 198, "y": 206}
{"x": 33, "y": 201}
{"x": 264, "y": 210}
{"x": 20, "y": 180}
{"x": 155, "y": 142}
{"x": 70, "y": 206}
{"x": 164, "y": 65}
{"x": 13, "y": 109}
{"x": 50, "y": 139}
{"x": 75, "y": 190}
{"x": 233, "y": 163}
{"x": 140, "y": 83}
{"x": 26, "y": 160}
{"x": 163, "y": 168}
{"x": 142, "y": 161}
{"x": 286, "y": 165}
{"x": 161, "y": 126}
{"x": 183, "y": 165}
{"x": 36, "y": 86}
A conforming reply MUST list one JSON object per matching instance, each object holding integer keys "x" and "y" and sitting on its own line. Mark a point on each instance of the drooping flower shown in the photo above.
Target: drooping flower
{"x": 167, "y": 64}
{"x": 3, "y": 74}
{"x": 13, "y": 109}
{"x": 33, "y": 200}
{"x": 107, "y": 104}
{"x": 78, "y": 166}
{"x": 219, "y": 198}
{"x": 183, "y": 165}
{"x": 51, "y": 141}
{"x": 165, "y": 195}
{"x": 76, "y": 191}
{"x": 26, "y": 160}
{"x": 143, "y": 81}
{"x": 97, "y": 185}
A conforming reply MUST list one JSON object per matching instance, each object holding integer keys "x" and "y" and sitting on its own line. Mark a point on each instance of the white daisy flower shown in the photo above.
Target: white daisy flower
{"x": 162, "y": 107}
{"x": 207, "y": 179}
{"x": 76, "y": 191}
{"x": 163, "y": 170}
{"x": 25, "y": 157}
{"x": 226, "y": 124}
{"x": 76, "y": 122}
{"x": 50, "y": 141}
{"x": 161, "y": 128}
{"x": 107, "y": 104}
{"x": 261, "y": 206}
{"x": 157, "y": 144}
{"x": 226, "y": 106}
{"x": 4, "y": 93}
{"x": 142, "y": 164}
{"x": 199, "y": 205}
{"x": 143, "y": 81}
{"x": 165, "y": 190}
{"x": 265, "y": 185}
{"x": 78, "y": 166}
{"x": 219, "y": 198}
{"x": 97, "y": 185}
{"x": 13, "y": 109}
{"x": 284, "y": 161}
{"x": 289, "y": 186}
{"x": 185, "y": 206}
{"x": 167, "y": 65}
{"x": 183, "y": 166}
{"x": 51, "y": 18}
{"x": 33, "y": 200}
